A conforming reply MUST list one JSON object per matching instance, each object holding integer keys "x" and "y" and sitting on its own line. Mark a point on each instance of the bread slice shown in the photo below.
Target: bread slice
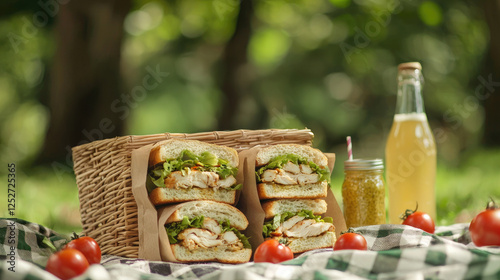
{"x": 170, "y": 149}
{"x": 275, "y": 207}
{"x": 271, "y": 190}
{"x": 219, "y": 254}
{"x": 216, "y": 210}
{"x": 300, "y": 245}
{"x": 268, "y": 153}
{"x": 161, "y": 196}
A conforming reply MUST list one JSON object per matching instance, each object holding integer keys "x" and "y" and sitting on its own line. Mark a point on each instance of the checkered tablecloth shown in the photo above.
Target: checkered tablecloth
{"x": 395, "y": 252}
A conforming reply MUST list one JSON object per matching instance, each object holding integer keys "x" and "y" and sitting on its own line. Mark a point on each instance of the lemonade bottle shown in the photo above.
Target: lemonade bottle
{"x": 410, "y": 152}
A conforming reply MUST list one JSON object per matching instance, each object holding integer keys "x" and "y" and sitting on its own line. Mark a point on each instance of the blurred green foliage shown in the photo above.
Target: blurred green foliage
{"x": 327, "y": 65}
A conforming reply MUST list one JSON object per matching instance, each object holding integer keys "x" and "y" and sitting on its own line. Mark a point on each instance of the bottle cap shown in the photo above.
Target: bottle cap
{"x": 363, "y": 164}
{"x": 410, "y": 65}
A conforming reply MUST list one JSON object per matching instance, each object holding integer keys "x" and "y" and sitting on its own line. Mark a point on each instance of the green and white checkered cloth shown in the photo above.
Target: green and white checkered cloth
{"x": 395, "y": 252}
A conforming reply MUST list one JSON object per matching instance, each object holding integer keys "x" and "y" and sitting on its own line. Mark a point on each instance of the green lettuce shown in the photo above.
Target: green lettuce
{"x": 226, "y": 226}
{"x": 273, "y": 224}
{"x": 206, "y": 161}
{"x": 173, "y": 229}
{"x": 280, "y": 161}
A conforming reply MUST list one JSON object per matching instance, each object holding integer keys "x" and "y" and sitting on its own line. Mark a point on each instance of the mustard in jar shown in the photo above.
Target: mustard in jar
{"x": 363, "y": 192}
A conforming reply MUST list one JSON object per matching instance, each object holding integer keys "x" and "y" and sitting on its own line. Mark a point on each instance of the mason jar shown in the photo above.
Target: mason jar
{"x": 363, "y": 192}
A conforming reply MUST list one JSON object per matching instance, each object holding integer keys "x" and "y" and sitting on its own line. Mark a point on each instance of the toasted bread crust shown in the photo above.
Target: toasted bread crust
{"x": 216, "y": 210}
{"x": 301, "y": 245}
{"x": 276, "y": 191}
{"x": 218, "y": 254}
{"x": 275, "y": 207}
{"x": 162, "y": 196}
{"x": 266, "y": 154}
{"x": 172, "y": 148}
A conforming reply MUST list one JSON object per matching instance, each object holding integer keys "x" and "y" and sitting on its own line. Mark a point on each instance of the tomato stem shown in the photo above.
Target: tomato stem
{"x": 408, "y": 212}
{"x": 491, "y": 204}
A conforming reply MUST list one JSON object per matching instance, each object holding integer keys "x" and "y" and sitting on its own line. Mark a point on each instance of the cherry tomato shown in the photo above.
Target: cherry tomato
{"x": 419, "y": 220}
{"x": 67, "y": 263}
{"x": 272, "y": 251}
{"x": 350, "y": 241}
{"x": 88, "y": 246}
{"x": 485, "y": 227}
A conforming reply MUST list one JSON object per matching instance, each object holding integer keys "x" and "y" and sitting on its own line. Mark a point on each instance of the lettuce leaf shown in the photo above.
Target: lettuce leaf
{"x": 271, "y": 225}
{"x": 226, "y": 226}
{"x": 187, "y": 160}
{"x": 281, "y": 160}
{"x": 173, "y": 229}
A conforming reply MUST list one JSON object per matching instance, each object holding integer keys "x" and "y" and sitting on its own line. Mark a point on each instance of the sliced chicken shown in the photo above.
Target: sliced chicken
{"x": 290, "y": 174}
{"x": 305, "y": 169}
{"x": 194, "y": 237}
{"x": 198, "y": 179}
{"x": 230, "y": 237}
{"x": 226, "y": 183}
{"x": 212, "y": 225}
{"x": 285, "y": 178}
{"x": 291, "y": 222}
{"x": 291, "y": 167}
{"x": 269, "y": 175}
{"x": 308, "y": 228}
{"x": 304, "y": 179}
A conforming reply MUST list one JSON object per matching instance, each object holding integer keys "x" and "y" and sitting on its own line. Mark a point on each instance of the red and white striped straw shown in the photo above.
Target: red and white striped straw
{"x": 349, "y": 147}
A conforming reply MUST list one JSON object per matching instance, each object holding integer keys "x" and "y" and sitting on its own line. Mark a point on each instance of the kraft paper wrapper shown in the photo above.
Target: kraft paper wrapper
{"x": 250, "y": 204}
{"x": 146, "y": 211}
{"x": 153, "y": 239}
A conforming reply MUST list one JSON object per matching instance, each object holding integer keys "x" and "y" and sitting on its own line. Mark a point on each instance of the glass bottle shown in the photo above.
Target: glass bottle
{"x": 410, "y": 152}
{"x": 363, "y": 192}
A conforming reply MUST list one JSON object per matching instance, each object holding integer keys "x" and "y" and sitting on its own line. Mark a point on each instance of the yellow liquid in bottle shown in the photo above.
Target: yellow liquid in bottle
{"x": 410, "y": 166}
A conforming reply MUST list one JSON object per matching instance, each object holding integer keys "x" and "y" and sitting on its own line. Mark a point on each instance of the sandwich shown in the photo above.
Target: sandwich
{"x": 201, "y": 231}
{"x": 185, "y": 170}
{"x": 291, "y": 171}
{"x": 299, "y": 224}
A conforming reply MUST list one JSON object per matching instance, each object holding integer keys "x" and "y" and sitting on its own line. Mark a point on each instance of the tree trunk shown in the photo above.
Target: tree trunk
{"x": 491, "y": 92}
{"x": 85, "y": 76}
{"x": 233, "y": 58}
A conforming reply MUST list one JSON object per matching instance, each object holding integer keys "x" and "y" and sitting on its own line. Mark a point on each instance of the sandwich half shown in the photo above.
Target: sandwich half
{"x": 298, "y": 221}
{"x": 291, "y": 171}
{"x": 201, "y": 231}
{"x": 185, "y": 170}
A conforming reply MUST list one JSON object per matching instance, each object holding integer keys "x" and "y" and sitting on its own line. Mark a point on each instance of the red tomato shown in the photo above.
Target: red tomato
{"x": 485, "y": 227}
{"x": 272, "y": 251}
{"x": 419, "y": 220}
{"x": 67, "y": 263}
{"x": 89, "y": 248}
{"x": 350, "y": 241}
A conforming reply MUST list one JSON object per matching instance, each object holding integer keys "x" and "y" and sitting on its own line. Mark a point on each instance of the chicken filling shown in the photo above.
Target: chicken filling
{"x": 208, "y": 234}
{"x": 200, "y": 179}
{"x": 297, "y": 225}
{"x": 291, "y": 174}
{"x": 300, "y": 227}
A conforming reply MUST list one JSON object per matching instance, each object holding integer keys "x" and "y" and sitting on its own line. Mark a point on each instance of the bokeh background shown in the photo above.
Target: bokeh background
{"x": 75, "y": 71}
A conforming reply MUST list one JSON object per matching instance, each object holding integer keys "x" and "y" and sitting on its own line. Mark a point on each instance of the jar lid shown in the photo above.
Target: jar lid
{"x": 410, "y": 66}
{"x": 364, "y": 164}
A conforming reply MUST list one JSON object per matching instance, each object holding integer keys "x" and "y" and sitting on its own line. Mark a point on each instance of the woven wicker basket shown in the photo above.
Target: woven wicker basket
{"x": 108, "y": 209}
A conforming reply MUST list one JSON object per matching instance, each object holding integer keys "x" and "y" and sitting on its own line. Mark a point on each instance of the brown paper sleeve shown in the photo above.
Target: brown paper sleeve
{"x": 146, "y": 211}
{"x": 333, "y": 209}
{"x": 250, "y": 204}
{"x": 165, "y": 249}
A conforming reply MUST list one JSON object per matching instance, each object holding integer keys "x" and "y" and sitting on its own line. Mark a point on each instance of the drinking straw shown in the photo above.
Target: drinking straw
{"x": 349, "y": 147}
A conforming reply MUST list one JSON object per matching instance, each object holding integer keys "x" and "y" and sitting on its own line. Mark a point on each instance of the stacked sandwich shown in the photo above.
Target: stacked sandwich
{"x": 291, "y": 180}
{"x": 205, "y": 227}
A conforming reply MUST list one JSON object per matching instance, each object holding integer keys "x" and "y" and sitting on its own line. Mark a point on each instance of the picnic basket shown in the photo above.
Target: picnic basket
{"x": 108, "y": 209}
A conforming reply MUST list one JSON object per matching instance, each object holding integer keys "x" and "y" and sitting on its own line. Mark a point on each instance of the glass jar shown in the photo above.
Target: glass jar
{"x": 363, "y": 192}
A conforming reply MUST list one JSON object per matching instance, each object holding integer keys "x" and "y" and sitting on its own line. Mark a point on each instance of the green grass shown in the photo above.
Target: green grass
{"x": 461, "y": 192}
